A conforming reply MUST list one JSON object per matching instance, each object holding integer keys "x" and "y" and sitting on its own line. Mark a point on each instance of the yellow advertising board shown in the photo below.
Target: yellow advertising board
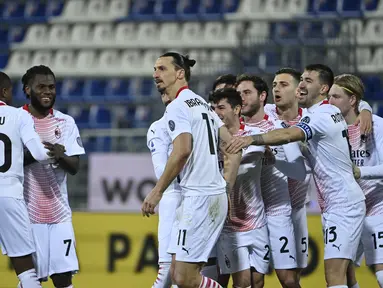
{"x": 120, "y": 250}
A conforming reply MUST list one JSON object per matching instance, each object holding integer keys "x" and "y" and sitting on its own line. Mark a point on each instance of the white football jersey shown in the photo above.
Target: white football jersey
{"x": 190, "y": 113}
{"x": 160, "y": 146}
{"x": 248, "y": 210}
{"x": 367, "y": 154}
{"x": 16, "y": 129}
{"x": 329, "y": 156}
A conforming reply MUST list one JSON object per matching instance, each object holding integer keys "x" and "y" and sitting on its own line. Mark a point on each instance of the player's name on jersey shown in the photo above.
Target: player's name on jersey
{"x": 338, "y": 117}
{"x": 196, "y": 102}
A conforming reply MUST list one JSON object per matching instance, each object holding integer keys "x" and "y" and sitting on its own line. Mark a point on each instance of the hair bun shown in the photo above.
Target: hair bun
{"x": 190, "y": 62}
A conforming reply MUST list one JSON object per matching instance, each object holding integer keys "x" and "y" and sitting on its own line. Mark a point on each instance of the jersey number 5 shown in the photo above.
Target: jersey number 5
{"x": 7, "y": 153}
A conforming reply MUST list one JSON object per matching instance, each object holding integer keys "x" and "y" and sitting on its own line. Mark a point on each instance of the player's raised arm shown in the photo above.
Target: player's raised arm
{"x": 364, "y": 118}
{"x": 31, "y": 139}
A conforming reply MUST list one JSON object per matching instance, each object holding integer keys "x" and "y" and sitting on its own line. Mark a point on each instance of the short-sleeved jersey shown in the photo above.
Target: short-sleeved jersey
{"x": 45, "y": 186}
{"x": 368, "y": 152}
{"x": 160, "y": 146}
{"x": 248, "y": 211}
{"x": 16, "y": 129}
{"x": 189, "y": 113}
{"x": 329, "y": 156}
{"x": 274, "y": 185}
{"x": 298, "y": 189}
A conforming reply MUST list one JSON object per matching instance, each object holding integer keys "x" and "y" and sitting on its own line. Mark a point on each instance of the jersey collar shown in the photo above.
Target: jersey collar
{"x": 26, "y": 108}
{"x": 300, "y": 111}
{"x": 323, "y": 102}
{"x": 2, "y": 103}
{"x": 181, "y": 89}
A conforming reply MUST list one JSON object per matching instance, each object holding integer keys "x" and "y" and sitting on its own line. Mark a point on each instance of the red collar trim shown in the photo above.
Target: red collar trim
{"x": 2, "y": 103}
{"x": 242, "y": 126}
{"x": 324, "y": 102}
{"x": 181, "y": 89}
{"x": 266, "y": 117}
{"x": 26, "y": 108}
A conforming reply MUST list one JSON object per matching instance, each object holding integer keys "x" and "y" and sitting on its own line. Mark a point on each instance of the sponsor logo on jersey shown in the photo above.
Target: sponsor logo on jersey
{"x": 79, "y": 142}
{"x": 172, "y": 125}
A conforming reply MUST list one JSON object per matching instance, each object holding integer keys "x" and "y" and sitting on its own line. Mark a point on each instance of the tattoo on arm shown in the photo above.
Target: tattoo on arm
{"x": 222, "y": 144}
{"x": 258, "y": 140}
{"x": 228, "y": 188}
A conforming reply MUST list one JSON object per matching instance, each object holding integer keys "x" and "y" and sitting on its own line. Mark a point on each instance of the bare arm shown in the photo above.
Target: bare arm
{"x": 182, "y": 148}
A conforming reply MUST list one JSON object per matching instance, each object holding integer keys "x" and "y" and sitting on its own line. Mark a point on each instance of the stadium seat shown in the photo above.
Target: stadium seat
{"x": 256, "y": 33}
{"x": 42, "y": 58}
{"x": 18, "y": 63}
{"x": 372, "y": 32}
{"x": 95, "y": 89}
{"x": 188, "y": 9}
{"x": 311, "y": 32}
{"x": 36, "y": 36}
{"x": 80, "y": 35}
{"x": 365, "y": 60}
{"x": 73, "y": 11}
{"x": 16, "y": 34}
{"x": 118, "y": 8}
{"x": 230, "y": 6}
{"x": 3, "y": 60}
{"x": 102, "y": 36}
{"x": 118, "y": 89}
{"x": 372, "y": 8}
{"x": 54, "y": 8}
{"x": 142, "y": 10}
{"x": 13, "y": 11}
{"x": 35, "y": 11}
{"x": 126, "y": 35}
{"x": 81, "y": 116}
{"x": 63, "y": 62}
{"x": 73, "y": 90}
{"x": 286, "y": 32}
{"x": 191, "y": 36}
{"x": 58, "y": 36}
{"x": 131, "y": 63}
{"x": 148, "y": 35}
{"x": 18, "y": 93}
{"x": 141, "y": 117}
{"x": 108, "y": 61}
{"x": 170, "y": 35}
{"x": 326, "y": 7}
{"x": 86, "y": 63}
{"x": 99, "y": 117}
{"x": 214, "y": 34}
{"x": 351, "y": 8}
{"x": 96, "y": 9}
{"x": 373, "y": 86}
{"x": 211, "y": 10}
{"x": 167, "y": 10}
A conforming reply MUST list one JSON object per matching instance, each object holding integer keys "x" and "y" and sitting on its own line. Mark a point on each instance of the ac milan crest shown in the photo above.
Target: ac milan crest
{"x": 58, "y": 132}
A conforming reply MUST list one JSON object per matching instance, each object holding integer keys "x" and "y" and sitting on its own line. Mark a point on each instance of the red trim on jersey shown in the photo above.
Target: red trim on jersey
{"x": 241, "y": 126}
{"x": 266, "y": 117}
{"x": 181, "y": 89}
{"x": 325, "y": 102}
{"x": 26, "y": 108}
{"x": 300, "y": 111}
{"x": 2, "y": 103}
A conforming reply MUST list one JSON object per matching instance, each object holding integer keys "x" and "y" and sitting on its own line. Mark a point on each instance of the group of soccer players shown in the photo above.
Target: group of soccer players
{"x": 234, "y": 177}
{"x": 40, "y": 145}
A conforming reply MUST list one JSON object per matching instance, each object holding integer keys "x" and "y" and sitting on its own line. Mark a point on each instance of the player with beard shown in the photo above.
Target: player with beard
{"x": 245, "y": 233}
{"x": 16, "y": 131}
{"x": 194, "y": 129}
{"x": 160, "y": 146}
{"x": 278, "y": 164}
{"x": 339, "y": 195}
{"x": 367, "y": 155}
{"x": 45, "y": 187}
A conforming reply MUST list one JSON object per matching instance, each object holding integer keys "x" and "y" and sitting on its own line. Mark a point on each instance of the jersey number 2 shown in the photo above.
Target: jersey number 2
{"x": 209, "y": 134}
{"x": 7, "y": 153}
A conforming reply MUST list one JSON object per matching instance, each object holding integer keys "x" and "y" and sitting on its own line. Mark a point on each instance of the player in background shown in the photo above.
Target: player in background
{"x": 194, "y": 129}
{"x": 45, "y": 186}
{"x": 274, "y": 186}
{"x": 367, "y": 155}
{"x": 16, "y": 130}
{"x": 339, "y": 195}
{"x": 160, "y": 146}
{"x": 245, "y": 232}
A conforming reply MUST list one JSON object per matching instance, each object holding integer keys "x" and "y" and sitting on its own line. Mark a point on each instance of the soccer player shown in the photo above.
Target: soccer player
{"x": 45, "y": 188}
{"x": 339, "y": 195}
{"x": 224, "y": 81}
{"x": 194, "y": 129}
{"x": 274, "y": 183}
{"x": 160, "y": 146}
{"x": 16, "y": 130}
{"x": 367, "y": 155}
{"x": 245, "y": 233}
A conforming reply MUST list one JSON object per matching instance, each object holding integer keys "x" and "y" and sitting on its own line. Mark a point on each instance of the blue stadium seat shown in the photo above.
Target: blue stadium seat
{"x": 118, "y": 89}
{"x": 100, "y": 117}
{"x": 54, "y": 8}
{"x": 167, "y": 10}
{"x": 82, "y": 119}
{"x": 373, "y": 87}
{"x": 142, "y": 10}
{"x": 286, "y": 33}
{"x": 97, "y": 144}
{"x": 188, "y": 9}
{"x": 13, "y": 10}
{"x": 18, "y": 93}
{"x": 146, "y": 87}
{"x": 142, "y": 117}
{"x": 3, "y": 36}
{"x": 3, "y": 60}
{"x": 311, "y": 32}
{"x": 34, "y": 10}
{"x": 211, "y": 10}
{"x": 95, "y": 89}
{"x": 73, "y": 90}
{"x": 330, "y": 29}
{"x": 369, "y": 5}
{"x": 351, "y": 8}
{"x": 230, "y": 6}
{"x": 16, "y": 34}
{"x": 59, "y": 85}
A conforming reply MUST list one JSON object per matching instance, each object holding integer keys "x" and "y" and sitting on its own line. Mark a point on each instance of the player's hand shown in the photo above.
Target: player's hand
{"x": 356, "y": 171}
{"x": 150, "y": 203}
{"x": 269, "y": 156}
{"x": 365, "y": 121}
{"x": 237, "y": 143}
{"x": 56, "y": 151}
